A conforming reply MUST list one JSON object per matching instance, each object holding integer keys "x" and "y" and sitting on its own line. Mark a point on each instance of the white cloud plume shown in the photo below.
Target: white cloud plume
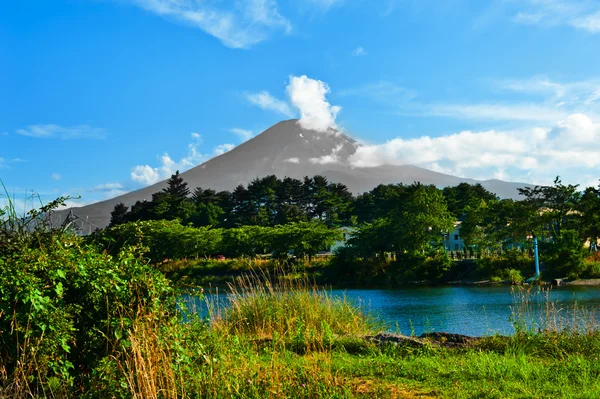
{"x": 359, "y": 51}
{"x": 56, "y": 176}
{"x": 305, "y": 94}
{"x": 239, "y": 24}
{"x": 61, "y": 132}
{"x": 243, "y": 134}
{"x": 584, "y": 15}
{"x": 571, "y": 148}
{"x": 308, "y": 95}
{"x": 147, "y": 175}
{"x": 292, "y": 160}
{"x": 266, "y": 101}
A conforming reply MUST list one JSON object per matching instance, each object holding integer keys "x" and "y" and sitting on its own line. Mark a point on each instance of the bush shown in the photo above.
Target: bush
{"x": 564, "y": 256}
{"x": 64, "y": 307}
{"x": 161, "y": 239}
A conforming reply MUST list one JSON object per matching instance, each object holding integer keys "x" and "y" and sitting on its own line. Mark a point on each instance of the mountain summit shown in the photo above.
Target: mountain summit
{"x": 287, "y": 149}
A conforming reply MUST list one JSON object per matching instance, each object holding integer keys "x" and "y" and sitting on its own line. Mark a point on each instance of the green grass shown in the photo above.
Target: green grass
{"x": 282, "y": 337}
{"x": 288, "y": 339}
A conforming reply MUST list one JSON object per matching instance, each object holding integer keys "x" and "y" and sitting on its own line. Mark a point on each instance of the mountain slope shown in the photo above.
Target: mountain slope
{"x": 286, "y": 149}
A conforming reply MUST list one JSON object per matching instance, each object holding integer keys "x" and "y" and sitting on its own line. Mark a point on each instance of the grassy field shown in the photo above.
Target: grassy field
{"x": 291, "y": 340}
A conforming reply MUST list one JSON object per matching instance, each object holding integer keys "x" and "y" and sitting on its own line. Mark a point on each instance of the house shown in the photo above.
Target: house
{"x": 452, "y": 241}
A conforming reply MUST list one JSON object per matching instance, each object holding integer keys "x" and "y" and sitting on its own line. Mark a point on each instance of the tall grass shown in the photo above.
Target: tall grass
{"x": 533, "y": 311}
{"x": 290, "y": 311}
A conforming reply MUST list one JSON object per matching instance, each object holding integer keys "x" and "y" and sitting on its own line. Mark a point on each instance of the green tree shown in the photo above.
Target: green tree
{"x": 119, "y": 214}
{"x": 303, "y": 239}
{"x": 589, "y": 208}
{"x": 177, "y": 187}
{"x": 460, "y": 197}
{"x": 556, "y": 204}
{"x": 421, "y": 220}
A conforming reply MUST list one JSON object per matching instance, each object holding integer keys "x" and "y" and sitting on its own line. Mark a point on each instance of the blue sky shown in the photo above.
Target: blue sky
{"x": 98, "y": 97}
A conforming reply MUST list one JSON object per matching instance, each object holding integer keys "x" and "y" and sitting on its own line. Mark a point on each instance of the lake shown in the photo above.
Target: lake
{"x": 469, "y": 310}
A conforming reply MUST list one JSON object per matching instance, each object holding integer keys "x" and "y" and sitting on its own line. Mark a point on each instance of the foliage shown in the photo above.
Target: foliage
{"x": 302, "y": 239}
{"x": 564, "y": 256}
{"x": 64, "y": 306}
{"x": 161, "y": 239}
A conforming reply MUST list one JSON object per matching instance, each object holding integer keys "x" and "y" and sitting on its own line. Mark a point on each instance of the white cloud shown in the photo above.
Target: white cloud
{"x": 570, "y": 148}
{"x": 61, "y": 132}
{"x": 292, "y": 160}
{"x": 243, "y": 134}
{"x": 359, "y": 51}
{"x": 147, "y": 175}
{"x": 584, "y": 15}
{"x": 308, "y": 95}
{"x": 223, "y": 148}
{"x": 56, "y": 176}
{"x": 239, "y": 24}
{"x": 305, "y": 94}
{"x": 266, "y": 101}
{"x": 330, "y": 158}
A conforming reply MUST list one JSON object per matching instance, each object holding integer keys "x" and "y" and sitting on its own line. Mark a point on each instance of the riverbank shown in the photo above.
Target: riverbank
{"x": 219, "y": 273}
{"x": 276, "y": 338}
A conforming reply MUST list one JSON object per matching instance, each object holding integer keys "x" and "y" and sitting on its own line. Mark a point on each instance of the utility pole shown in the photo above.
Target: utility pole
{"x": 537, "y": 257}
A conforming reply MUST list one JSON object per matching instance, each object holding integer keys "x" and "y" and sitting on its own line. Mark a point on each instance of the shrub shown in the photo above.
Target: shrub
{"x": 64, "y": 307}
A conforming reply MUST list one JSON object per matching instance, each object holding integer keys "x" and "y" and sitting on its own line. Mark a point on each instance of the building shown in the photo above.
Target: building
{"x": 453, "y": 241}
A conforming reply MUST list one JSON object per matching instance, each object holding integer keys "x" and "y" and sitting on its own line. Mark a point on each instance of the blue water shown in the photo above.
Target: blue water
{"x": 469, "y": 310}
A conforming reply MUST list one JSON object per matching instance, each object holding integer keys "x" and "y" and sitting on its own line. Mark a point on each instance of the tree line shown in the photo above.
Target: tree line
{"x": 405, "y": 223}
{"x": 270, "y": 201}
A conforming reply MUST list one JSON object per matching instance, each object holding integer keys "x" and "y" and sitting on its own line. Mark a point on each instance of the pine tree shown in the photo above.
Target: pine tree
{"x": 119, "y": 214}
{"x": 178, "y": 188}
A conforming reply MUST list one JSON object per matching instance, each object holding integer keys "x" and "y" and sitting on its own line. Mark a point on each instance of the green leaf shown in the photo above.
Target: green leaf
{"x": 59, "y": 289}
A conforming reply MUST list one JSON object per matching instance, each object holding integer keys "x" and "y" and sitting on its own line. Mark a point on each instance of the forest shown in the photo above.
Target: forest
{"x": 393, "y": 230}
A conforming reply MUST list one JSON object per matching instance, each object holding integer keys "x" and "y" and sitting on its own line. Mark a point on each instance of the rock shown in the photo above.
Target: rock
{"x": 396, "y": 339}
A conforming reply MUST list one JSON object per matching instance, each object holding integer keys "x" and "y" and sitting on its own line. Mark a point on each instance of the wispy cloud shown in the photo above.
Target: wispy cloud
{"x": 492, "y": 112}
{"x": 535, "y": 99}
{"x": 56, "y": 176}
{"x": 382, "y": 91}
{"x": 324, "y": 5}
{"x": 266, "y": 101}
{"x": 61, "y": 132}
{"x": 4, "y": 162}
{"x": 243, "y": 134}
{"x": 238, "y": 24}
{"x": 359, "y": 51}
{"x": 575, "y": 92}
{"x": 584, "y": 15}
{"x": 147, "y": 175}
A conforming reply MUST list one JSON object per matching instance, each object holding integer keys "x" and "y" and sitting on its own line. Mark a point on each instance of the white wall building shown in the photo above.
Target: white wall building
{"x": 453, "y": 241}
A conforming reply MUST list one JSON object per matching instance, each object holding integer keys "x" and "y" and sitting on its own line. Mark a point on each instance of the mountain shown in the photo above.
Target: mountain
{"x": 287, "y": 149}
